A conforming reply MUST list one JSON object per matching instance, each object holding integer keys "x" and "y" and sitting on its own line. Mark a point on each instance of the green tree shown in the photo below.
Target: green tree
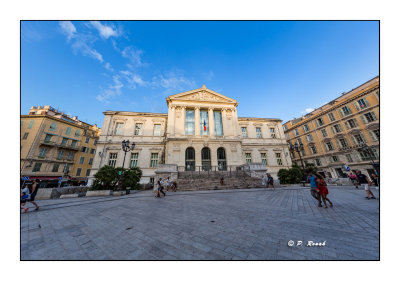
{"x": 106, "y": 178}
{"x": 310, "y": 167}
{"x": 290, "y": 176}
{"x": 131, "y": 177}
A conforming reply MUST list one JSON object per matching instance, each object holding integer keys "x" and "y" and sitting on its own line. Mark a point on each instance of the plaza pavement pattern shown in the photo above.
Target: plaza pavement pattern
{"x": 249, "y": 224}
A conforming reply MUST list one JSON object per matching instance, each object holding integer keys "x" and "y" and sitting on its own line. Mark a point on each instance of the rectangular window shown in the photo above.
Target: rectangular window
{"x": 25, "y": 136}
{"x": 88, "y": 172}
{"x": 324, "y": 133}
{"x": 138, "y": 129}
{"x": 66, "y": 169}
{"x": 64, "y": 141}
{"x": 343, "y": 143}
{"x": 362, "y": 103}
{"x": 30, "y": 124}
{"x": 320, "y": 121}
{"x": 335, "y": 158}
{"x": 42, "y": 152}
{"x": 359, "y": 139}
{"x": 60, "y": 154}
{"x": 55, "y": 168}
{"x": 73, "y": 143}
{"x": 248, "y": 158}
{"x": 134, "y": 159}
{"x": 287, "y": 136}
{"x": 370, "y": 116}
{"x": 368, "y": 155}
{"x": 313, "y": 149}
{"x": 244, "y": 132}
{"x": 112, "y": 159}
{"x": 272, "y": 131}
{"x": 95, "y": 142}
{"x": 70, "y": 156}
{"x": 81, "y": 160}
{"x": 84, "y": 149}
{"x": 189, "y": 130}
{"x": 296, "y": 132}
{"x": 264, "y": 158}
{"x": 53, "y": 126}
{"x": 278, "y": 159}
{"x": 258, "y": 131}
{"x": 87, "y": 140}
{"x": 331, "y": 117}
{"x": 68, "y": 131}
{"x": 37, "y": 167}
{"x": 376, "y": 133}
{"x": 78, "y": 172}
{"x": 90, "y": 161}
{"x": 119, "y": 128}
{"x": 349, "y": 159}
{"x": 352, "y": 123}
{"x": 157, "y": 130}
{"x": 92, "y": 151}
{"x": 346, "y": 110}
{"x": 204, "y": 130}
{"x": 329, "y": 145}
{"x": 337, "y": 128}
{"x": 77, "y": 133}
{"x": 219, "y": 131}
{"x": 306, "y": 128}
{"x": 318, "y": 162}
{"x": 154, "y": 160}
{"x": 47, "y": 139}
{"x": 285, "y": 127}
{"x": 310, "y": 138}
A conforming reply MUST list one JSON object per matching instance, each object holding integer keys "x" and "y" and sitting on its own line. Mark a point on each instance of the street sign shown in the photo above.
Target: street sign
{"x": 25, "y": 178}
{"x": 60, "y": 178}
{"x": 345, "y": 167}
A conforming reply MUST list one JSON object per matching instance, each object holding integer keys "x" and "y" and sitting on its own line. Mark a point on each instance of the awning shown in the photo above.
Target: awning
{"x": 47, "y": 178}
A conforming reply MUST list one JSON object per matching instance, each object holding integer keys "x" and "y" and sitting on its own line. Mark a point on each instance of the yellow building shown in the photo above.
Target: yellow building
{"x": 55, "y": 145}
{"x": 343, "y": 132}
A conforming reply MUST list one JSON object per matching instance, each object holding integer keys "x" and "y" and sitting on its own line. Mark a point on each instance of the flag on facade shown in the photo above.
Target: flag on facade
{"x": 205, "y": 127}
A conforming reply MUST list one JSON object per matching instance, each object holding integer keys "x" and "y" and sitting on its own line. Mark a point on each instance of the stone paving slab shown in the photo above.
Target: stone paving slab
{"x": 243, "y": 224}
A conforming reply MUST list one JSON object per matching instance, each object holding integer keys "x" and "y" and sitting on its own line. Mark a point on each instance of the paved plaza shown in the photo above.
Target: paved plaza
{"x": 246, "y": 224}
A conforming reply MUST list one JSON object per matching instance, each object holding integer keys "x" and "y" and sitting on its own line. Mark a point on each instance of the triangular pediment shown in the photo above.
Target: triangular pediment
{"x": 202, "y": 95}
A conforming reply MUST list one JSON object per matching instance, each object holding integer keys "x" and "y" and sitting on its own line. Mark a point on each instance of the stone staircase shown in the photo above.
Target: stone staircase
{"x": 211, "y": 181}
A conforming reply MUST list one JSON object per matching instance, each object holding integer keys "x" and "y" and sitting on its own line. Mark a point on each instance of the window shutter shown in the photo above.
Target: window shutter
{"x": 363, "y": 119}
{"x": 341, "y": 112}
{"x": 316, "y": 124}
{"x": 347, "y": 125}
{"x": 373, "y": 137}
{"x": 340, "y": 127}
{"x": 373, "y": 115}
{"x": 353, "y": 140}
{"x": 333, "y": 130}
{"x": 357, "y": 157}
{"x": 364, "y": 139}
{"x": 356, "y": 105}
{"x": 355, "y": 121}
{"x": 366, "y": 101}
{"x": 338, "y": 143}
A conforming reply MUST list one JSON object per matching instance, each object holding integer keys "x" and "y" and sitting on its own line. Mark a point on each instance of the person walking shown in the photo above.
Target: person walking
{"x": 313, "y": 188}
{"x": 168, "y": 184}
{"x": 365, "y": 183}
{"x": 323, "y": 190}
{"x": 35, "y": 188}
{"x": 353, "y": 179}
{"x": 25, "y": 195}
{"x": 160, "y": 188}
{"x": 270, "y": 181}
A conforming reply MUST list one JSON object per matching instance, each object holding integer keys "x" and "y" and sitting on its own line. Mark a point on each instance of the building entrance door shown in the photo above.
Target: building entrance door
{"x": 221, "y": 159}
{"x": 206, "y": 159}
{"x": 189, "y": 159}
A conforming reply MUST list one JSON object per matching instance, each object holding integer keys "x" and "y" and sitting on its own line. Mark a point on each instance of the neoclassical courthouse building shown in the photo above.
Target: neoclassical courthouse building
{"x": 201, "y": 132}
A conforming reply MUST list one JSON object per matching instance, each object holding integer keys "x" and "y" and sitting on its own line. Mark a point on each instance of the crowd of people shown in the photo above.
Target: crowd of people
{"x": 161, "y": 184}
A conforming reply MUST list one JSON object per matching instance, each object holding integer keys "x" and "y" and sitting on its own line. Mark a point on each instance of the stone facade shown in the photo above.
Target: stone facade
{"x": 201, "y": 131}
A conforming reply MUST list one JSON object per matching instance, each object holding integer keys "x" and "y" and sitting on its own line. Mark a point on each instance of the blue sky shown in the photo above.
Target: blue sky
{"x": 273, "y": 69}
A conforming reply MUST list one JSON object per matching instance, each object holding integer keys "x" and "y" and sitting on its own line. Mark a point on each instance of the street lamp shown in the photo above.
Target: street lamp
{"x": 296, "y": 147}
{"x": 125, "y": 147}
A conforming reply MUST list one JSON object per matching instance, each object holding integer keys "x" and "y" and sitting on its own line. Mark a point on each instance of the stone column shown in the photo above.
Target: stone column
{"x": 211, "y": 121}
{"x": 197, "y": 121}
{"x": 223, "y": 115}
{"x": 183, "y": 116}
{"x": 234, "y": 123}
{"x": 173, "y": 121}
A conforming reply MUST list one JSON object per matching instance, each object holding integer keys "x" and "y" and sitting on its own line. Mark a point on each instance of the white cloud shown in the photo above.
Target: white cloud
{"x": 173, "y": 81}
{"x": 112, "y": 90}
{"x": 208, "y": 75}
{"x": 133, "y": 79}
{"x": 308, "y": 110}
{"x": 108, "y": 66}
{"x": 134, "y": 56}
{"x": 81, "y": 46}
{"x": 105, "y": 31}
{"x": 68, "y": 28}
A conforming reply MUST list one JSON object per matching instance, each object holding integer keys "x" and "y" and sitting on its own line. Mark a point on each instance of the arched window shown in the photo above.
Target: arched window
{"x": 206, "y": 159}
{"x": 189, "y": 159}
{"x": 221, "y": 159}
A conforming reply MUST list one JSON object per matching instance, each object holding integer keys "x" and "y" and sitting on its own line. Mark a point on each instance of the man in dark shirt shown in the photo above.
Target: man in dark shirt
{"x": 365, "y": 183}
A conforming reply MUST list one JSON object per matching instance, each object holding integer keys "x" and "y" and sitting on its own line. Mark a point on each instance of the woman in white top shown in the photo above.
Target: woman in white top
{"x": 264, "y": 180}
{"x": 25, "y": 195}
